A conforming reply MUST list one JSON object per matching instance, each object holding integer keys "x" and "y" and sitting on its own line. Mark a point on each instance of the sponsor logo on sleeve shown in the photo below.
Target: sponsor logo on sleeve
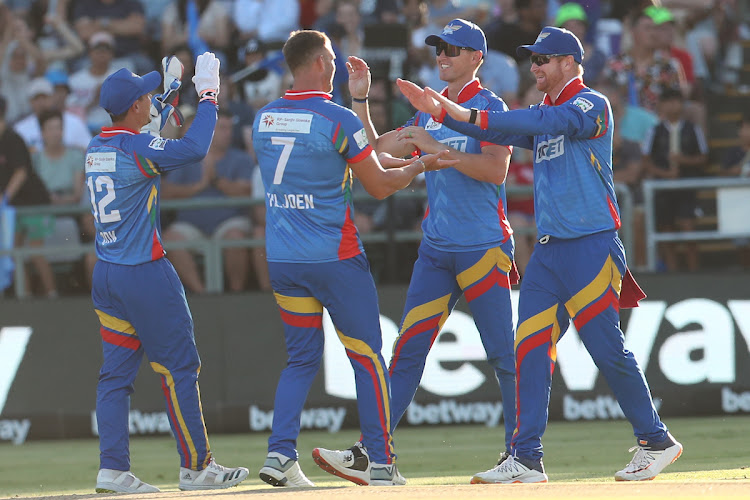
{"x": 584, "y": 104}
{"x": 101, "y": 162}
{"x": 360, "y": 137}
{"x": 294, "y": 123}
{"x": 158, "y": 143}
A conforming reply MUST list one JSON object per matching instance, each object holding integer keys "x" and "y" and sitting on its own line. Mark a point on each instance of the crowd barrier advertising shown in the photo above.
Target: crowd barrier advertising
{"x": 690, "y": 335}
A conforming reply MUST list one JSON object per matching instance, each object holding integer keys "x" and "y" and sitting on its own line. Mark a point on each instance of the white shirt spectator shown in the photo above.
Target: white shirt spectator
{"x": 75, "y": 132}
{"x": 84, "y": 91}
{"x": 269, "y": 20}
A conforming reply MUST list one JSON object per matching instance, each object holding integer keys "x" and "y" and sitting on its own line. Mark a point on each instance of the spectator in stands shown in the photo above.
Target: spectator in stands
{"x": 572, "y": 17}
{"x": 20, "y": 61}
{"x": 183, "y": 20}
{"x": 666, "y": 38}
{"x": 123, "y": 19}
{"x": 60, "y": 88}
{"x": 675, "y": 149}
{"x": 642, "y": 72}
{"x": 270, "y": 21}
{"x": 60, "y": 169}
{"x": 505, "y": 34}
{"x": 242, "y": 113}
{"x": 58, "y": 166}
{"x": 499, "y": 73}
{"x": 224, "y": 172}
{"x": 22, "y": 187}
{"x": 264, "y": 84}
{"x": 53, "y": 34}
{"x": 40, "y": 92}
{"x": 83, "y": 100}
{"x": 348, "y": 17}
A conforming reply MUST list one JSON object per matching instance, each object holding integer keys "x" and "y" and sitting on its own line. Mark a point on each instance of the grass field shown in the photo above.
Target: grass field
{"x": 580, "y": 459}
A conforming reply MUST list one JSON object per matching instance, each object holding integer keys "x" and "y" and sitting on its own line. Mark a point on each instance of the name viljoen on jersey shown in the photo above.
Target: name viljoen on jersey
{"x": 294, "y": 201}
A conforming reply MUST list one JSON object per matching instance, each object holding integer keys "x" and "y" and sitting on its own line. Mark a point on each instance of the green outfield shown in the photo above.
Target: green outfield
{"x": 717, "y": 449}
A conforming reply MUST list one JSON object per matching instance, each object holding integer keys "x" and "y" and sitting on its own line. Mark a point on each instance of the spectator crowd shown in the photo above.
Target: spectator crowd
{"x": 662, "y": 65}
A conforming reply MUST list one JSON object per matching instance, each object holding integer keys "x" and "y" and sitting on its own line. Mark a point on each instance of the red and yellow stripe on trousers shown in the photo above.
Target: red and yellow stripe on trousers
{"x": 121, "y": 333}
{"x": 492, "y": 269}
{"x": 543, "y": 329}
{"x": 307, "y": 312}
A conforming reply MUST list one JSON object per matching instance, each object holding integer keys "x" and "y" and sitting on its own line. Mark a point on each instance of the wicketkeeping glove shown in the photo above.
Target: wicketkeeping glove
{"x": 206, "y": 77}
{"x": 163, "y": 106}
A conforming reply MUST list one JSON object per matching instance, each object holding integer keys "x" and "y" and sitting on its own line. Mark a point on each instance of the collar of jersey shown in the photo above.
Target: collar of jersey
{"x": 572, "y": 88}
{"x": 113, "y": 131}
{"x": 467, "y": 92}
{"x": 299, "y": 95}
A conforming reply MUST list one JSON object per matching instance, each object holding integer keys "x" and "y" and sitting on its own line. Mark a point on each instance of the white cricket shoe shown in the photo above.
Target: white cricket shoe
{"x": 117, "y": 481}
{"x": 280, "y": 470}
{"x": 509, "y": 471}
{"x": 354, "y": 465}
{"x": 213, "y": 477}
{"x": 649, "y": 461}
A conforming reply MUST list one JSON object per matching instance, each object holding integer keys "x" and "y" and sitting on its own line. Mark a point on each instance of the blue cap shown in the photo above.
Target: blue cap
{"x": 122, "y": 88}
{"x": 557, "y": 41}
{"x": 461, "y": 33}
{"x": 57, "y": 77}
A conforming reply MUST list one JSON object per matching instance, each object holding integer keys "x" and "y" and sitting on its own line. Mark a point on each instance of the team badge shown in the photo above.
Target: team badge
{"x": 360, "y": 137}
{"x": 450, "y": 29}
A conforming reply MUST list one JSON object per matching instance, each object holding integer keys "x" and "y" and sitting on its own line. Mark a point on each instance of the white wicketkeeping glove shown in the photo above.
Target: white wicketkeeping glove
{"x": 164, "y": 106}
{"x": 206, "y": 77}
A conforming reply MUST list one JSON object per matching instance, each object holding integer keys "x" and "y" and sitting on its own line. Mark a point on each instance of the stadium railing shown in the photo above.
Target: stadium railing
{"x": 731, "y": 222}
{"x": 211, "y": 249}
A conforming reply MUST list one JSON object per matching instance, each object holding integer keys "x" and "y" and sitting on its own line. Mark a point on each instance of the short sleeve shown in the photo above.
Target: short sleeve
{"x": 349, "y": 137}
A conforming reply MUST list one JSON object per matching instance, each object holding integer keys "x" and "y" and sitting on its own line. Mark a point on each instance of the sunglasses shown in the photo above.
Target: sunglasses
{"x": 450, "y": 50}
{"x": 542, "y": 59}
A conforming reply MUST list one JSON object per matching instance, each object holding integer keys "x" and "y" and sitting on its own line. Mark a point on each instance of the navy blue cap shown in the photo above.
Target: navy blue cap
{"x": 122, "y": 88}
{"x": 557, "y": 41}
{"x": 461, "y": 33}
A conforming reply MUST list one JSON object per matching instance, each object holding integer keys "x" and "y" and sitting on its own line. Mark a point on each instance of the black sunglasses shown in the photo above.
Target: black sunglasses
{"x": 542, "y": 59}
{"x": 450, "y": 50}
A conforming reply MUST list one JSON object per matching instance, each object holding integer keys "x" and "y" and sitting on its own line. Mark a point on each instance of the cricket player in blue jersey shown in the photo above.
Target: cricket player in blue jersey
{"x": 137, "y": 295}
{"x": 467, "y": 248}
{"x": 308, "y": 148}
{"x": 578, "y": 270}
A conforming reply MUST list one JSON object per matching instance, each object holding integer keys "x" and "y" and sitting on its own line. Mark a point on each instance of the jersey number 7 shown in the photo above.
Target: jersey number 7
{"x": 288, "y": 143}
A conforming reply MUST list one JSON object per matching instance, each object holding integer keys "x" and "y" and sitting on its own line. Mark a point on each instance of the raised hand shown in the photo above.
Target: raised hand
{"x": 456, "y": 111}
{"x": 359, "y": 77}
{"x": 419, "y": 98}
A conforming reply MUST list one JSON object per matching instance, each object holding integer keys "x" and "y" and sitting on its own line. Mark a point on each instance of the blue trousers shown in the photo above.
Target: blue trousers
{"x": 438, "y": 280}
{"x": 581, "y": 280}
{"x": 346, "y": 289}
{"x": 143, "y": 309}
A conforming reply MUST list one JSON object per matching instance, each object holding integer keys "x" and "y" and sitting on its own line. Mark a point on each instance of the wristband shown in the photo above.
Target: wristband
{"x": 208, "y": 95}
{"x": 424, "y": 167}
{"x": 473, "y": 115}
{"x": 361, "y": 101}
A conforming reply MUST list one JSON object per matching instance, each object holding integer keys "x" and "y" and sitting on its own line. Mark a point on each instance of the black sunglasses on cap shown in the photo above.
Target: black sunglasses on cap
{"x": 450, "y": 50}
{"x": 542, "y": 59}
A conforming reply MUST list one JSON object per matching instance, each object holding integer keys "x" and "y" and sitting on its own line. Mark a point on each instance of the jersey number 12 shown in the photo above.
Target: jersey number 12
{"x": 103, "y": 182}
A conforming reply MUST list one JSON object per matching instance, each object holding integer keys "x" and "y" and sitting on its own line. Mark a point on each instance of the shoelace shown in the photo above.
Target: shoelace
{"x": 641, "y": 459}
{"x": 510, "y": 465}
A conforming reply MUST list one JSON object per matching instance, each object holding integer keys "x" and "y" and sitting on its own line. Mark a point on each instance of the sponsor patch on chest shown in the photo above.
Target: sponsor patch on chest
{"x": 294, "y": 123}
{"x": 546, "y": 150}
{"x": 101, "y": 162}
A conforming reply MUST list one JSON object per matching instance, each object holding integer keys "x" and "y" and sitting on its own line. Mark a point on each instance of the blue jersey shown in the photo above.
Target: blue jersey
{"x": 463, "y": 213}
{"x": 574, "y": 192}
{"x": 304, "y": 143}
{"x": 123, "y": 171}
